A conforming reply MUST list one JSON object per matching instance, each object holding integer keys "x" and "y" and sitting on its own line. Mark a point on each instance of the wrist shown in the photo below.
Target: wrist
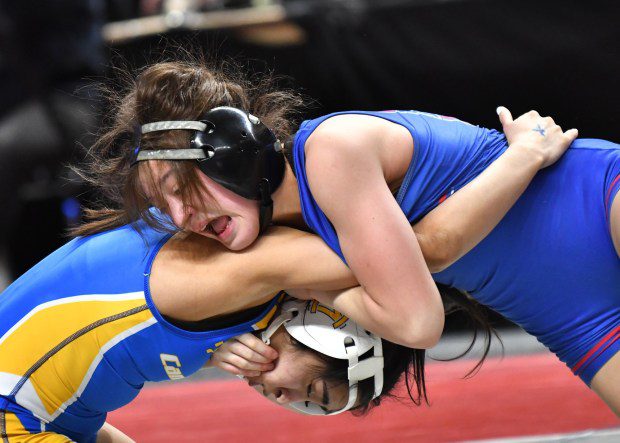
{"x": 520, "y": 155}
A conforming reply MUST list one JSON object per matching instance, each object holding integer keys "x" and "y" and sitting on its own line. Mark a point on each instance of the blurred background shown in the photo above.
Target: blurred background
{"x": 461, "y": 58}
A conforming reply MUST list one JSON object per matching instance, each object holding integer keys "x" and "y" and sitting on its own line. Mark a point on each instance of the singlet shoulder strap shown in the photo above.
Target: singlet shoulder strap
{"x": 221, "y": 321}
{"x": 288, "y": 153}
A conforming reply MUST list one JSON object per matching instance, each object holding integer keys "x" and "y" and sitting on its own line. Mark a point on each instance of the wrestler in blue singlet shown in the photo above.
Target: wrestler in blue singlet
{"x": 79, "y": 336}
{"x": 550, "y": 265}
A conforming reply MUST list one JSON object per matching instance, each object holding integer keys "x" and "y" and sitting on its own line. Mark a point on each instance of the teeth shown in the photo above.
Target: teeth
{"x": 208, "y": 228}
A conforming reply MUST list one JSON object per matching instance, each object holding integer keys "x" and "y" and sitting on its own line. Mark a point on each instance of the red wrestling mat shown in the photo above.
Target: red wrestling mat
{"x": 525, "y": 395}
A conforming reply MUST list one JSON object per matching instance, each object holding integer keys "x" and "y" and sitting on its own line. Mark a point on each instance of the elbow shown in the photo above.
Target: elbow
{"x": 429, "y": 338}
{"x": 443, "y": 264}
{"x": 423, "y": 333}
{"x": 438, "y": 265}
{"x": 441, "y": 249}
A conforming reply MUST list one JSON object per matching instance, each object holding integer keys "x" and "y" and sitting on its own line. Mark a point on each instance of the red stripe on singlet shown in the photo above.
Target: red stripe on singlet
{"x": 606, "y": 341}
{"x": 609, "y": 193}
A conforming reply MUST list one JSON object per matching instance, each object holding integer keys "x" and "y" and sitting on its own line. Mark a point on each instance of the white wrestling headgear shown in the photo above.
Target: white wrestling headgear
{"x": 329, "y": 332}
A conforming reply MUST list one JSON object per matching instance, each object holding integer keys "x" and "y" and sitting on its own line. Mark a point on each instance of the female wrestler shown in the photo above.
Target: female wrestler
{"x": 83, "y": 330}
{"x": 181, "y": 189}
{"x": 549, "y": 266}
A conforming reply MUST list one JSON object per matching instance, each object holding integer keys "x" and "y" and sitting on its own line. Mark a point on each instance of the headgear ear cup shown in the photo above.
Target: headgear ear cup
{"x": 233, "y": 148}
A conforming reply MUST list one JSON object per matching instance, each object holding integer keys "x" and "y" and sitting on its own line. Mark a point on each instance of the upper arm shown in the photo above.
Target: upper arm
{"x": 346, "y": 178}
{"x": 614, "y": 222}
{"x": 194, "y": 277}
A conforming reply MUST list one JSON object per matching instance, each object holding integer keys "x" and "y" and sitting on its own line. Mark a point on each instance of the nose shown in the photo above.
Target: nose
{"x": 284, "y": 396}
{"x": 179, "y": 212}
{"x": 254, "y": 384}
{"x": 276, "y": 394}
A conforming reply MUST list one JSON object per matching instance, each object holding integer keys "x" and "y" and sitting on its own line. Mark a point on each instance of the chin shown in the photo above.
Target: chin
{"x": 241, "y": 242}
{"x": 239, "y": 245}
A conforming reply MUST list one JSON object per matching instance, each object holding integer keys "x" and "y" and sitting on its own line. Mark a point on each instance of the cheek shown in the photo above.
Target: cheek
{"x": 280, "y": 375}
{"x": 248, "y": 224}
{"x": 232, "y": 204}
{"x": 248, "y": 209}
{"x": 227, "y": 200}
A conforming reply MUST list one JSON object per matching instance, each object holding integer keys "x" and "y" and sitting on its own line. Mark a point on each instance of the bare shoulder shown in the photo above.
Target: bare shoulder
{"x": 350, "y": 146}
{"x": 343, "y": 140}
{"x": 347, "y": 132}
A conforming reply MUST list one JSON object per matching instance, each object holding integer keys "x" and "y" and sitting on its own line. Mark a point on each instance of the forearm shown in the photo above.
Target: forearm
{"x": 412, "y": 326}
{"x": 295, "y": 259}
{"x": 194, "y": 277}
{"x": 109, "y": 434}
{"x": 281, "y": 258}
{"x": 457, "y": 225}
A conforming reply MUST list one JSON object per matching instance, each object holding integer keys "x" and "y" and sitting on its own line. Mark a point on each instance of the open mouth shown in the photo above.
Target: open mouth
{"x": 218, "y": 226}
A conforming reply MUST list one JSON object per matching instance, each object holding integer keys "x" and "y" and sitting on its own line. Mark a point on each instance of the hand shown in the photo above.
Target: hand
{"x": 245, "y": 355}
{"x": 536, "y": 135}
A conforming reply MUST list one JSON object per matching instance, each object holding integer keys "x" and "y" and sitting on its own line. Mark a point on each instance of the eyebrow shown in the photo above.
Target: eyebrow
{"x": 164, "y": 177}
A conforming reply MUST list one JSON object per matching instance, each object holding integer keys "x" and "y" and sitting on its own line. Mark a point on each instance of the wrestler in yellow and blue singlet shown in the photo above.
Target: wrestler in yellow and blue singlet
{"x": 79, "y": 336}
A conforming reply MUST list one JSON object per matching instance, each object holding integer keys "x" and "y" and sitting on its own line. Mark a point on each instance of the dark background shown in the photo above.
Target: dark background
{"x": 460, "y": 58}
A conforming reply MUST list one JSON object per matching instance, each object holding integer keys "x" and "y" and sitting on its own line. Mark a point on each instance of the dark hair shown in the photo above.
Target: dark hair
{"x": 402, "y": 361}
{"x": 176, "y": 90}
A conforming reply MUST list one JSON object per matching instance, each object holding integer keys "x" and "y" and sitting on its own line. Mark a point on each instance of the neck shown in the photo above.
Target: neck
{"x": 286, "y": 205}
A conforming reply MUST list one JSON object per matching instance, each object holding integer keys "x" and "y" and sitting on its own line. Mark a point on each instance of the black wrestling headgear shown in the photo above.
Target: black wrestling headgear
{"x": 231, "y": 147}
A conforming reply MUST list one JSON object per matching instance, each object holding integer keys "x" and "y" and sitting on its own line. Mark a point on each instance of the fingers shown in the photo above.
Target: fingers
{"x": 505, "y": 117}
{"x": 244, "y": 355}
{"x": 244, "y": 367}
{"x": 238, "y": 365}
{"x": 261, "y": 352}
{"x": 532, "y": 114}
{"x": 571, "y": 134}
{"x": 548, "y": 122}
{"x": 232, "y": 369}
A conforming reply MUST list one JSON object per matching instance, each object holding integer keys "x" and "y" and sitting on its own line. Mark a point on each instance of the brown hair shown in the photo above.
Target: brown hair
{"x": 174, "y": 90}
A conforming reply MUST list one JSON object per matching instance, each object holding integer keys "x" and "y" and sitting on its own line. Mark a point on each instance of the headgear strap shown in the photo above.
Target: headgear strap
{"x": 233, "y": 148}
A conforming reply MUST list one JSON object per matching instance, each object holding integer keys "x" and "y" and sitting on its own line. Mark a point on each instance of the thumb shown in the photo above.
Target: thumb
{"x": 504, "y": 114}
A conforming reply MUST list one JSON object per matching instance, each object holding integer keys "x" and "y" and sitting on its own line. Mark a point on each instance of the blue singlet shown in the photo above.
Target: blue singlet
{"x": 550, "y": 265}
{"x": 80, "y": 335}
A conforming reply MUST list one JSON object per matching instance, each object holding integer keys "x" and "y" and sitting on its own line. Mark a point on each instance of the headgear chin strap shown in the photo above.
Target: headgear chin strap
{"x": 331, "y": 333}
{"x": 231, "y": 147}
